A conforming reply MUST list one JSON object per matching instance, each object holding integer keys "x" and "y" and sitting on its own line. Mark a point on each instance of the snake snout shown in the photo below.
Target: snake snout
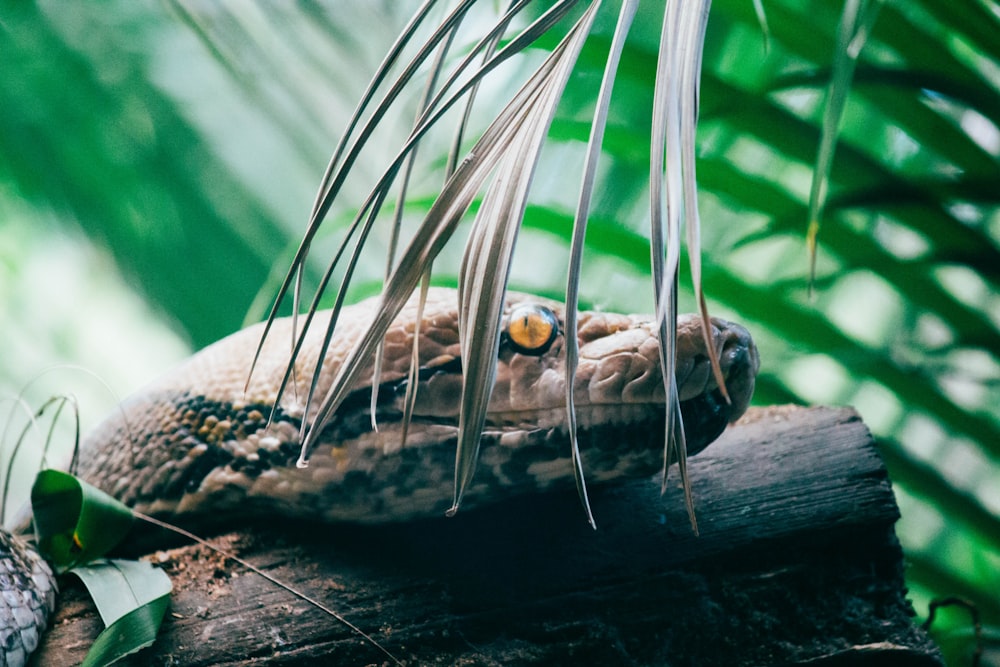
{"x": 704, "y": 408}
{"x": 740, "y": 361}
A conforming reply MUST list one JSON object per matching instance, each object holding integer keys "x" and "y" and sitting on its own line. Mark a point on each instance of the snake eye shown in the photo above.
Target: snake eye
{"x": 531, "y": 328}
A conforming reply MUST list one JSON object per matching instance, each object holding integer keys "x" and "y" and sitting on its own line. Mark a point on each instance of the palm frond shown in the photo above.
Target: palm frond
{"x": 675, "y": 102}
{"x": 522, "y": 127}
{"x": 369, "y": 209}
{"x": 625, "y": 18}
{"x": 397, "y": 222}
{"x": 855, "y": 25}
{"x": 491, "y": 246}
{"x": 510, "y": 131}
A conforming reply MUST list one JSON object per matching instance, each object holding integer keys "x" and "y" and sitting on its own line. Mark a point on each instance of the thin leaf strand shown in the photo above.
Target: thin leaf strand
{"x": 600, "y": 119}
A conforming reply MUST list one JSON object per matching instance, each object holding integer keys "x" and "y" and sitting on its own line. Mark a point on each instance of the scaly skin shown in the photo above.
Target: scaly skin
{"x": 199, "y": 443}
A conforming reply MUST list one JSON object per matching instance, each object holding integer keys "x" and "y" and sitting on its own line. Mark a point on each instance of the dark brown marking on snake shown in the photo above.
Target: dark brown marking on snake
{"x": 705, "y": 417}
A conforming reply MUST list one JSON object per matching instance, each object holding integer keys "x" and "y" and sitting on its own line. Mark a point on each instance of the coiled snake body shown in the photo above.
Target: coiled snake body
{"x": 195, "y": 442}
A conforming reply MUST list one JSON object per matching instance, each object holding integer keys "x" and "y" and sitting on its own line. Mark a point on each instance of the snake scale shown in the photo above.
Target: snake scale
{"x": 199, "y": 441}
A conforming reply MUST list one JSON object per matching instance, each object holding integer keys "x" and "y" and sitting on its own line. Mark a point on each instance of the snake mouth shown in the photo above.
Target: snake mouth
{"x": 705, "y": 417}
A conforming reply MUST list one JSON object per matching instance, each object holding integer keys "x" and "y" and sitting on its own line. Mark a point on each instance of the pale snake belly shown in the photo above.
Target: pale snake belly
{"x": 199, "y": 441}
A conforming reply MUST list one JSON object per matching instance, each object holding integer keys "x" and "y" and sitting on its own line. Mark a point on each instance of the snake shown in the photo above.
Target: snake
{"x": 203, "y": 441}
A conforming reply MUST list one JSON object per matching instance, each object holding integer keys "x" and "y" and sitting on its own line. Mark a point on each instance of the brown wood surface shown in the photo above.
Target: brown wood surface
{"x": 796, "y": 564}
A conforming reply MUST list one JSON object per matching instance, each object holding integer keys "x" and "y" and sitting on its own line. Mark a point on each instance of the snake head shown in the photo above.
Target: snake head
{"x": 618, "y": 376}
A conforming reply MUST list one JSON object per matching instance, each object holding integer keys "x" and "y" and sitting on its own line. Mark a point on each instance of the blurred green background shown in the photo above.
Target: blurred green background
{"x": 158, "y": 162}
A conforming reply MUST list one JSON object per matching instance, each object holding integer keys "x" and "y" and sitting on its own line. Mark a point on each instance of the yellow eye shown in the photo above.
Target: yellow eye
{"x": 531, "y": 328}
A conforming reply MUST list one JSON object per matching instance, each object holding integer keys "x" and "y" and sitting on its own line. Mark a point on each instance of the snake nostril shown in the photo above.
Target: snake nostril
{"x": 733, "y": 352}
{"x": 737, "y": 346}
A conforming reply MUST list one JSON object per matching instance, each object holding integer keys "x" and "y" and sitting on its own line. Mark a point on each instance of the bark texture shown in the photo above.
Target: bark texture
{"x": 796, "y": 564}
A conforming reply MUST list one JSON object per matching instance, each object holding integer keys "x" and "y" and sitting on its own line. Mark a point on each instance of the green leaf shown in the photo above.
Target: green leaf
{"x": 132, "y": 598}
{"x": 75, "y": 522}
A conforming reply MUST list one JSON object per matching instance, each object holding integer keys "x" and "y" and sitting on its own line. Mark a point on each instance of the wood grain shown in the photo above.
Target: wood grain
{"x": 796, "y": 563}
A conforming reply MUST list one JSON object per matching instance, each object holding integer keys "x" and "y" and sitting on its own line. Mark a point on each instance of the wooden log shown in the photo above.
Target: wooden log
{"x": 796, "y": 564}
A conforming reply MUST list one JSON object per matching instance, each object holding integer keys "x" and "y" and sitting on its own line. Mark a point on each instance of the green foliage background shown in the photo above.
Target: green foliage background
{"x": 183, "y": 142}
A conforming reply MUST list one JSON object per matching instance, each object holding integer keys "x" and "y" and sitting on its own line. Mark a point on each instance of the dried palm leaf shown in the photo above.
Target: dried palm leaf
{"x": 506, "y": 156}
{"x": 369, "y": 209}
{"x": 673, "y": 194}
{"x": 505, "y": 135}
{"x": 625, "y": 17}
